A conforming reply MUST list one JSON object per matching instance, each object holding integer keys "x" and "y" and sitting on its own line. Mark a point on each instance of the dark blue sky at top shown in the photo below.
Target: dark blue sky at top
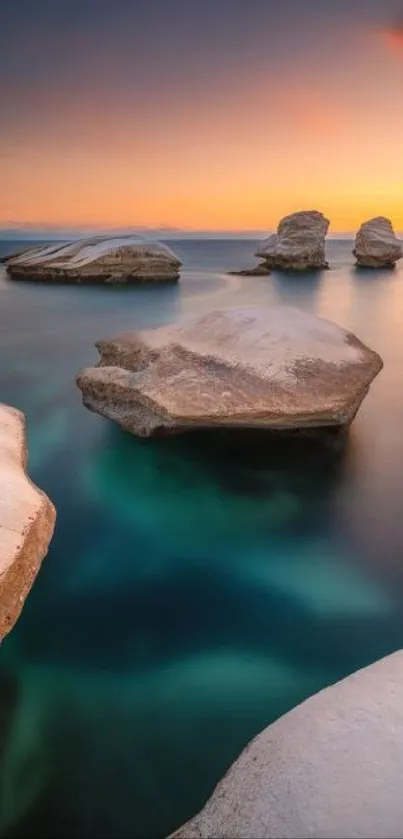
{"x": 164, "y": 90}
{"x": 164, "y": 45}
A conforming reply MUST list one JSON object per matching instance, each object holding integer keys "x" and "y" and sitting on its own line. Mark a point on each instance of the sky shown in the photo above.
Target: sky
{"x": 200, "y": 114}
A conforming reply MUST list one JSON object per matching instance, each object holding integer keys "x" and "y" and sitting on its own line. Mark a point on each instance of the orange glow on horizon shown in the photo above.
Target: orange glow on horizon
{"x": 238, "y": 159}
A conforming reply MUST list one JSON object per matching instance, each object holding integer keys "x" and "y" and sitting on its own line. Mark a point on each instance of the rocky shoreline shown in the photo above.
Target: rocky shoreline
{"x": 27, "y": 519}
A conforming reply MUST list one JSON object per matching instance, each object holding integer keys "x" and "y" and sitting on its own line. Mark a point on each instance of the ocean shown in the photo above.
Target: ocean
{"x": 194, "y": 591}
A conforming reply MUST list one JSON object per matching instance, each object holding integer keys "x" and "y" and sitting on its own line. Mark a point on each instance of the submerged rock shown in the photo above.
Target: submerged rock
{"x": 330, "y": 767}
{"x": 253, "y": 368}
{"x": 258, "y": 271}
{"x": 299, "y": 244}
{"x": 27, "y": 519}
{"x": 376, "y": 245}
{"x": 122, "y": 259}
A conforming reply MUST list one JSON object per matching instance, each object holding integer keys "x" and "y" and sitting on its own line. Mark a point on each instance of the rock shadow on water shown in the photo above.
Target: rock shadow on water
{"x": 365, "y": 272}
{"x": 254, "y": 462}
{"x": 198, "y": 511}
{"x": 292, "y": 288}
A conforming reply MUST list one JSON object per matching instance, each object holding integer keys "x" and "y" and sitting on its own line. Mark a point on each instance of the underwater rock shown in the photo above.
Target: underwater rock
{"x": 122, "y": 259}
{"x": 330, "y": 767}
{"x": 376, "y": 245}
{"x": 253, "y": 368}
{"x": 27, "y": 519}
{"x": 298, "y": 245}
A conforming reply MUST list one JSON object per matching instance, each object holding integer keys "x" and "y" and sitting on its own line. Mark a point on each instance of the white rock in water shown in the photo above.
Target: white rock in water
{"x": 27, "y": 519}
{"x": 376, "y": 245}
{"x": 236, "y": 368}
{"x": 299, "y": 244}
{"x": 122, "y": 259}
{"x": 332, "y": 767}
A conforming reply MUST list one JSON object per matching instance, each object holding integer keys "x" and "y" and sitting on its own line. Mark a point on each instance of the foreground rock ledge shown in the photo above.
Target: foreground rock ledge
{"x": 298, "y": 245}
{"x": 27, "y": 519}
{"x": 122, "y": 259}
{"x": 253, "y": 368}
{"x": 376, "y": 245}
{"x": 332, "y": 767}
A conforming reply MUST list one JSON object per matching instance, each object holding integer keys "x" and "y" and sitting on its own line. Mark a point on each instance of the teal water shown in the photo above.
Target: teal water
{"x": 193, "y": 591}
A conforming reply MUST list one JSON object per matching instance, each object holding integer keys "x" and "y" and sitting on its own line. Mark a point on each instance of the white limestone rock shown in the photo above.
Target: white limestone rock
{"x": 298, "y": 245}
{"x": 376, "y": 245}
{"x": 122, "y": 259}
{"x": 329, "y": 769}
{"x": 255, "y": 368}
{"x": 27, "y": 519}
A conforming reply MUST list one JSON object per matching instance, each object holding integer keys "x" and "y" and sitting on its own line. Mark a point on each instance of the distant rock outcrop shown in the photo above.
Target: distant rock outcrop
{"x": 261, "y": 270}
{"x": 122, "y": 259}
{"x": 298, "y": 245}
{"x": 376, "y": 245}
{"x": 27, "y": 519}
{"x": 274, "y": 368}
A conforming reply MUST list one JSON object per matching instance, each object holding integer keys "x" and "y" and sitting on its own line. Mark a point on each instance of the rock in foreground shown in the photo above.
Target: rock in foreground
{"x": 27, "y": 519}
{"x": 329, "y": 768}
{"x": 124, "y": 259}
{"x": 253, "y": 368}
{"x": 376, "y": 245}
{"x": 299, "y": 244}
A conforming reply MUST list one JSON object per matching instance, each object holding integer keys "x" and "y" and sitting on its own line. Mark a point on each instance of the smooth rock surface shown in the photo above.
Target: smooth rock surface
{"x": 376, "y": 245}
{"x": 331, "y": 768}
{"x": 122, "y": 259}
{"x": 299, "y": 244}
{"x": 235, "y": 368}
{"x": 27, "y": 519}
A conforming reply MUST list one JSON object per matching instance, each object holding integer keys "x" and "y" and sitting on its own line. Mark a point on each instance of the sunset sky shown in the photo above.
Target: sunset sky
{"x": 202, "y": 114}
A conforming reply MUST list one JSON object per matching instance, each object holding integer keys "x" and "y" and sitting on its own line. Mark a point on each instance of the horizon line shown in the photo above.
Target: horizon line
{"x": 41, "y": 232}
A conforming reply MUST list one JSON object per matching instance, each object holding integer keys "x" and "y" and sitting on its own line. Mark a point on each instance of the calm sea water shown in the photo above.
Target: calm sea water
{"x": 192, "y": 593}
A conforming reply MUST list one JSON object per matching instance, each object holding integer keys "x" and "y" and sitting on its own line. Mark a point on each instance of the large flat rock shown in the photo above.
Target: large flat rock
{"x": 330, "y": 769}
{"x": 121, "y": 259}
{"x": 298, "y": 245}
{"x": 274, "y": 368}
{"x": 27, "y": 519}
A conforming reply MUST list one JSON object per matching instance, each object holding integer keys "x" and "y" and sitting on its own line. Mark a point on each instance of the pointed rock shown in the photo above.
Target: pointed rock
{"x": 299, "y": 244}
{"x": 376, "y": 245}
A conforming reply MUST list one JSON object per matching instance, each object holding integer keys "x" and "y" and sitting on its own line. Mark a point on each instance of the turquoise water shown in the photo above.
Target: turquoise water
{"x": 194, "y": 591}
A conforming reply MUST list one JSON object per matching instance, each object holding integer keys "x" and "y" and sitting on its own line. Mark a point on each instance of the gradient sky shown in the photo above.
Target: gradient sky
{"x": 200, "y": 114}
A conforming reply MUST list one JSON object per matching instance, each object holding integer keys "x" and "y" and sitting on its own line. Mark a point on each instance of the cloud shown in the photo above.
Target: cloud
{"x": 392, "y": 37}
{"x": 309, "y": 112}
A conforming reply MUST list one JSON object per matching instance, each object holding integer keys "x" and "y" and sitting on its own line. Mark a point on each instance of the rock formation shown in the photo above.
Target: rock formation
{"x": 255, "y": 368}
{"x": 298, "y": 245}
{"x": 261, "y": 270}
{"x": 331, "y": 767}
{"x": 123, "y": 259}
{"x": 27, "y": 519}
{"x": 376, "y": 245}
